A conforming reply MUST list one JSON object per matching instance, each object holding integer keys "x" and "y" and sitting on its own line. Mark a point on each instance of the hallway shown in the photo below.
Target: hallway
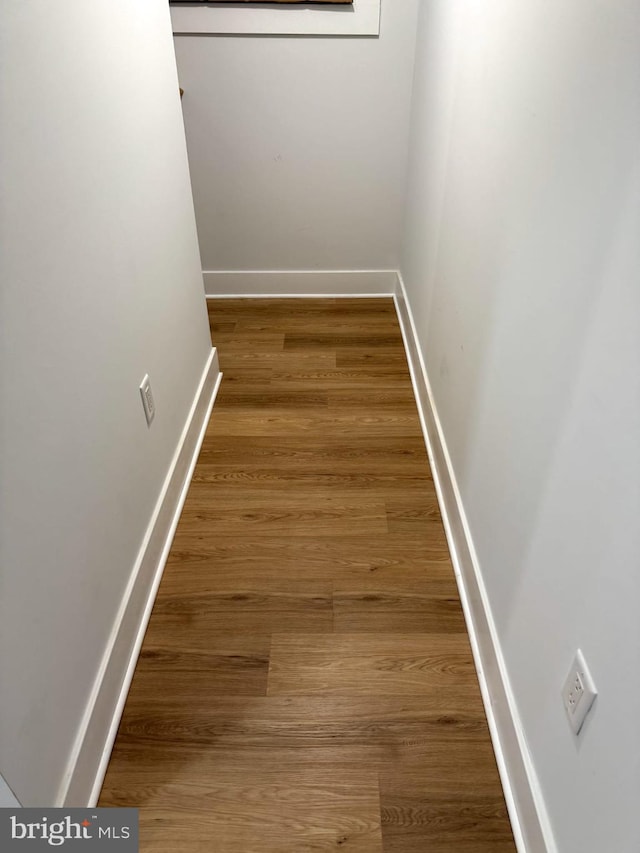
{"x": 306, "y": 681}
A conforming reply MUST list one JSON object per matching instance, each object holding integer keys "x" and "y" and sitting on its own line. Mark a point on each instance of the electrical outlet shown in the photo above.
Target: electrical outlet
{"x": 579, "y": 692}
{"x": 147, "y": 399}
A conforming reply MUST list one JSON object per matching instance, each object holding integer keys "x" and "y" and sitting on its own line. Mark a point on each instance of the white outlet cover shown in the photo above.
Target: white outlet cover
{"x": 579, "y": 692}
{"x": 147, "y": 399}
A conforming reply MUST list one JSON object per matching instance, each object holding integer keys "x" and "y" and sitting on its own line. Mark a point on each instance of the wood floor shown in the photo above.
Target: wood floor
{"x": 306, "y": 681}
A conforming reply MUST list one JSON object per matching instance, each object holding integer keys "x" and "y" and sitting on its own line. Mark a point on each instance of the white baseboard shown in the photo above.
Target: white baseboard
{"x": 527, "y": 810}
{"x": 89, "y": 761}
{"x": 286, "y": 283}
{"x": 8, "y": 799}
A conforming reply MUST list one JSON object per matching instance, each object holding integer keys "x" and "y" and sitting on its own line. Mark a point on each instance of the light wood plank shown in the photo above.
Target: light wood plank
{"x": 277, "y": 812}
{"x": 381, "y": 664}
{"x": 338, "y": 557}
{"x": 277, "y": 421}
{"x": 397, "y": 457}
{"x": 313, "y": 517}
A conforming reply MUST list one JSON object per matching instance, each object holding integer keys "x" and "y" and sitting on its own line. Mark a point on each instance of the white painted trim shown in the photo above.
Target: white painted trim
{"x": 213, "y": 297}
{"x": 361, "y": 19}
{"x": 88, "y": 765}
{"x": 328, "y": 283}
{"x": 527, "y": 810}
{"x": 7, "y": 797}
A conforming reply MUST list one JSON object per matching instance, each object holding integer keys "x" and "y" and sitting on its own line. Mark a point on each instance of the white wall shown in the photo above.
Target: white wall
{"x": 521, "y": 264}
{"x": 298, "y": 146}
{"x": 100, "y": 283}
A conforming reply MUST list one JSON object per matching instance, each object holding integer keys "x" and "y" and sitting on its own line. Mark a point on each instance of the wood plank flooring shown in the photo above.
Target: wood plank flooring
{"x": 306, "y": 681}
